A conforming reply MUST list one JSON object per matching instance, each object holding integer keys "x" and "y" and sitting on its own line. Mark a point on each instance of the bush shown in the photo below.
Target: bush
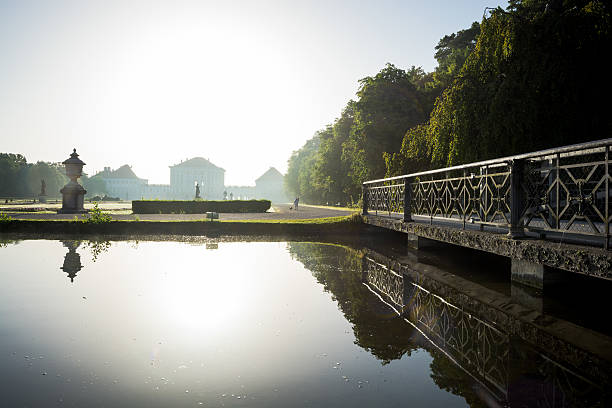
{"x": 5, "y": 218}
{"x": 104, "y": 198}
{"x": 96, "y": 216}
{"x": 199, "y": 207}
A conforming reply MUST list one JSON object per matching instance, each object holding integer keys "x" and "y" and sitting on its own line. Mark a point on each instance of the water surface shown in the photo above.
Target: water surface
{"x": 274, "y": 324}
{"x": 176, "y": 324}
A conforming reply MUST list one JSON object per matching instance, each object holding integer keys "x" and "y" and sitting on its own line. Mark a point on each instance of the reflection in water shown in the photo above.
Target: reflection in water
{"x": 516, "y": 362}
{"x": 353, "y": 327}
{"x": 99, "y": 247}
{"x": 486, "y": 351}
{"x": 6, "y": 242}
{"x": 72, "y": 260}
{"x": 338, "y": 269}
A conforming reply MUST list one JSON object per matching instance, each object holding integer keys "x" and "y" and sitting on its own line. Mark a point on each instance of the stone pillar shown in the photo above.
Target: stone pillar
{"x": 414, "y": 241}
{"x": 534, "y": 275}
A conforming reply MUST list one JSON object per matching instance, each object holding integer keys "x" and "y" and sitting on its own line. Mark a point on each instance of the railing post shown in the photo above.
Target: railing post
{"x": 407, "y": 199}
{"x": 364, "y": 199}
{"x": 607, "y": 200}
{"x": 516, "y": 199}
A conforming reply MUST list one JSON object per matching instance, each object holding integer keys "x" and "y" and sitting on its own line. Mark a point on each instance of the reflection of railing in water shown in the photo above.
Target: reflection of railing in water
{"x": 486, "y": 351}
{"x": 480, "y": 348}
{"x": 474, "y": 345}
{"x": 564, "y": 191}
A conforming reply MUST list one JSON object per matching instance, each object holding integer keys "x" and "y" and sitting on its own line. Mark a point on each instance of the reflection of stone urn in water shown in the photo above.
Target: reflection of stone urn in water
{"x": 73, "y": 193}
{"x": 72, "y": 260}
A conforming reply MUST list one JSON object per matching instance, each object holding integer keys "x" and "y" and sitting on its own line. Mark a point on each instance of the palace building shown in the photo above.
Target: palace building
{"x": 124, "y": 184}
{"x": 185, "y": 175}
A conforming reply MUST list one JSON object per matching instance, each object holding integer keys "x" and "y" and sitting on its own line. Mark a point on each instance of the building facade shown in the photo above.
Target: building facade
{"x": 123, "y": 183}
{"x": 268, "y": 186}
{"x": 185, "y": 175}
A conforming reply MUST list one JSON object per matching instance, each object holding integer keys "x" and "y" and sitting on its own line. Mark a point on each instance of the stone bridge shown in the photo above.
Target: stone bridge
{"x": 546, "y": 210}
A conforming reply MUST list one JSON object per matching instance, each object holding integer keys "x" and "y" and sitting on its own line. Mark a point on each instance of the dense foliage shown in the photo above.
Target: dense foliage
{"x": 521, "y": 80}
{"x": 18, "y": 178}
{"x": 339, "y": 270}
{"x": 199, "y": 207}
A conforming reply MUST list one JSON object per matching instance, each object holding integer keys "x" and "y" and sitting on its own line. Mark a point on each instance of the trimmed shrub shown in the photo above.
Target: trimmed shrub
{"x": 199, "y": 207}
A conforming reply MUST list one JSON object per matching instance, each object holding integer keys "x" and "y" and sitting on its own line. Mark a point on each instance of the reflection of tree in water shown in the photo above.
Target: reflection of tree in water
{"x": 448, "y": 376}
{"x": 378, "y": 330}
{"x": 338, "y": 269}
{"x": 6, "y": 242}
{"x": 97, "y": 248}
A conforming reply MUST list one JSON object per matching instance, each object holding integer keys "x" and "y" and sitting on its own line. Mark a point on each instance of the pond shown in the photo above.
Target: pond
{"x": 268, "y": 324}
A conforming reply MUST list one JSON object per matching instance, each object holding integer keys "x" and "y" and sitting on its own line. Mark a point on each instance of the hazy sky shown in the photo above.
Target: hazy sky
{"x": 242, "y": 83}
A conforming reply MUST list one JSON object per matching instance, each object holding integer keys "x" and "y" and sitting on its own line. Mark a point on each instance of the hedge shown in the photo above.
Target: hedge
{"x": 199, "y": 207}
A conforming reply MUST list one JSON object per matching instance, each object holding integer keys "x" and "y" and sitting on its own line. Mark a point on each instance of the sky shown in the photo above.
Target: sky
{"x": 241, "y": 83}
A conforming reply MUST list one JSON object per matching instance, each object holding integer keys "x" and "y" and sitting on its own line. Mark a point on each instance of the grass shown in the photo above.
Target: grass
{"x": 326, "y": 220}
{"x": 353, "y": 218}
{"x": 344, "y": 225}
{"x": 331, "y": 207}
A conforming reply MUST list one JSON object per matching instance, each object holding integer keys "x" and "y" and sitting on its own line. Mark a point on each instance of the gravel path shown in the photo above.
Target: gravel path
{"x": 277, "y": 212}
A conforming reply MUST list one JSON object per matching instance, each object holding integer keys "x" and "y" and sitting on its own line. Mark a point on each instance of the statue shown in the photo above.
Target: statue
{"x": 225, "y": 195}
{"x": 197, "y": 191}
{"x": 43, "y": 192}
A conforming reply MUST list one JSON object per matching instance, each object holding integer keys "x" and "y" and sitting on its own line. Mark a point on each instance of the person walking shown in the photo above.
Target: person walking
{"x": 296, "y": 202}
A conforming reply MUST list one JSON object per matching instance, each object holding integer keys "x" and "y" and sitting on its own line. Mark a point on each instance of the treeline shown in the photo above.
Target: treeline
{"x": 526, "y": 78}
{"x": 20, "y": 179}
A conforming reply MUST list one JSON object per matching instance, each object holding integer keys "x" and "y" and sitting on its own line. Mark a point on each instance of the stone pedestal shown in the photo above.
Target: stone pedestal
{"x": 73, "y": 196}
{"x": 73, "y": 193}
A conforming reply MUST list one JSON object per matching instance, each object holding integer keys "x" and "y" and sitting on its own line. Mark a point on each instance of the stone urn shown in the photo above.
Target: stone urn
{"x": 73, "y": 194}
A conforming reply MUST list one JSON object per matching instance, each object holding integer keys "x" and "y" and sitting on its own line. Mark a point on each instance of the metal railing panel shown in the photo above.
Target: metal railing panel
{"x": 562, "y": 191}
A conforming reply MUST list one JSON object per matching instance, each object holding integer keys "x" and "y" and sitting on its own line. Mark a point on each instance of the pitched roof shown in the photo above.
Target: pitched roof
{"x": 197, "y": 162}
{"x": 123, "y": 172}
{"x": 271, "y": 175}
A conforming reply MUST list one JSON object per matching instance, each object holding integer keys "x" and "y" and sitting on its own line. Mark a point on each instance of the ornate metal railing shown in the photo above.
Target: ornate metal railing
{"x": 564, "y": 191}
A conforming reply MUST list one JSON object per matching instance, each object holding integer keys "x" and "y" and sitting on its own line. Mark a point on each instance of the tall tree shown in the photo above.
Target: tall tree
{"x": 451, "y": 52}
{"x": 529, "y": 83}
{"x": 331, "y": 171}
{"x": 12, "y": 171}
{"x": 300, "y": 168}
{"x": 388, "y": 105}
{"x": 54, "y": 179}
